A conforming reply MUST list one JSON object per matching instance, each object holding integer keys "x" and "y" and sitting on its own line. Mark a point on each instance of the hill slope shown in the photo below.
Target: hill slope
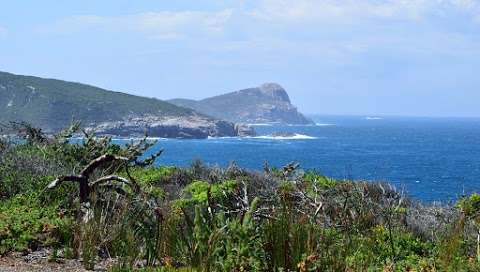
{"x": 268, "y": 103}
{"x": 53, "y": 104}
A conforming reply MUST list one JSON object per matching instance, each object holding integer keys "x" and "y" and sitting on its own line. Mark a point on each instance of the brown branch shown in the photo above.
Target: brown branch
{"x": 150, "y": 160}
{"x": 110, "y": 178}
{"x": 87, "y": 171}
{"x": 62, "y": 179}
{"x": 83, "y": 178}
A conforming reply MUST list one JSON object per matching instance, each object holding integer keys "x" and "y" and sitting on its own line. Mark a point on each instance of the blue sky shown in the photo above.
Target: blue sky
{"x": 362, "y": 57}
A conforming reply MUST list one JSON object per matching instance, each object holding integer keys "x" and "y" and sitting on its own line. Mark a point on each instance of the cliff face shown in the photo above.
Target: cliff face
{"x": 53, "y": 104}
{"x": 268, "y": 103}
{"x": 191, "y": 127}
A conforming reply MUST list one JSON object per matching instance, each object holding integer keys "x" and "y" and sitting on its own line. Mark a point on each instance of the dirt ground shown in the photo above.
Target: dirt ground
{"x": 39, "y": 261}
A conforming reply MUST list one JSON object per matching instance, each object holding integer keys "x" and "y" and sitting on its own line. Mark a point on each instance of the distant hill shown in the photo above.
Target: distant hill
{"x": 52, "y": 104}
{"x": 268, "y": 103}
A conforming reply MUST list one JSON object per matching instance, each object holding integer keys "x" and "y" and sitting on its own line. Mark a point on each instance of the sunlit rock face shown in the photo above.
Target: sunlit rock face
{"x": 268, "y": 103}
{"x": 191, "y": 127}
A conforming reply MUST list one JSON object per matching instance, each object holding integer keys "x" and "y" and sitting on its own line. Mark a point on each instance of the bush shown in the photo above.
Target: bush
{"x": 25, "y": 222}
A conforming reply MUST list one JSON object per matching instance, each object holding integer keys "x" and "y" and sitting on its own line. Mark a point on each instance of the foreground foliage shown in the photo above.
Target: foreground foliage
{"x": 211, "y": 219}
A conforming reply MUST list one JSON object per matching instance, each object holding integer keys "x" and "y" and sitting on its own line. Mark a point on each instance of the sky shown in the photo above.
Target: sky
{"x": 340, "y": 57}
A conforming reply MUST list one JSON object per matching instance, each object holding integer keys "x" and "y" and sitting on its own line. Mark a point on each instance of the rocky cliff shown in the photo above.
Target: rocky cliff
{"x": 268, "y": 103}
{"x": 184, "y": 127}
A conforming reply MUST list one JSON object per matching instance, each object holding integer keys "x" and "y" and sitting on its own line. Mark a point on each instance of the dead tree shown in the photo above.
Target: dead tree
{"x": 86, "y": 185}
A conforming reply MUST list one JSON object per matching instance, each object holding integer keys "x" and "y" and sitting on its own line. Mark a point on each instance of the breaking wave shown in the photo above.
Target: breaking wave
{"x": 296, "y": 136}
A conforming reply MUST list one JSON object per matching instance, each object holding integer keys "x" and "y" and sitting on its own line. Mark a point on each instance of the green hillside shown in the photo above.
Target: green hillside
{"x": 52, "y": 104}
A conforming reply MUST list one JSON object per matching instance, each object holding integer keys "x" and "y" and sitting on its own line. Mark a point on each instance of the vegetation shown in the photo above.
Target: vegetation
{"x": 95, "y": 199}
{"x": 52, "y": 104}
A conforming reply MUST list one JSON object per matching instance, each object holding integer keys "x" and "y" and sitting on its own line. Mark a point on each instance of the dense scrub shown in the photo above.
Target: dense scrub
{"x": 205, "y": 218}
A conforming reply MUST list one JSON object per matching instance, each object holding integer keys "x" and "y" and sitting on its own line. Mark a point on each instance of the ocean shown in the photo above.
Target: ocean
{"x": 432, "y": 159}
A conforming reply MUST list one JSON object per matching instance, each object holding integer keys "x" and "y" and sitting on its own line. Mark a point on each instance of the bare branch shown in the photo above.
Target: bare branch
{"x": 62, "y": 179}
{"x": 87, "y": 171}
{"x": 110, "y": 178}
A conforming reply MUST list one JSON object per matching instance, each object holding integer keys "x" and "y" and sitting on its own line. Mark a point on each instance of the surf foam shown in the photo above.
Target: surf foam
{"x": 294, "y": 137}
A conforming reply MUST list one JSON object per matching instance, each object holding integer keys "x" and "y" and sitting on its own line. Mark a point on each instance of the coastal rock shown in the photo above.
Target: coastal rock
{"x": 190, "y": 127}
{"x": 243, "y": 130}
{"x": 268, "y": 103}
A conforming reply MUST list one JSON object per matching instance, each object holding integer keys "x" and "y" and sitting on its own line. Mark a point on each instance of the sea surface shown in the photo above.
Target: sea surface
{"x": 432, "y": 159}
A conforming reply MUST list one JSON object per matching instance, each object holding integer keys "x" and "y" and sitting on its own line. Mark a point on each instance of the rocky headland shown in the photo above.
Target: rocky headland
{"x": 268, "y": 103}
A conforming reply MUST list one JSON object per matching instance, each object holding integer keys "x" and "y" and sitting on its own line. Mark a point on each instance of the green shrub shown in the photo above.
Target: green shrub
{"x": 315, "y": 179}
{"x": 200, "y": 192}
{"x": 152, "y": 175}
{"x": 25, "y": 222}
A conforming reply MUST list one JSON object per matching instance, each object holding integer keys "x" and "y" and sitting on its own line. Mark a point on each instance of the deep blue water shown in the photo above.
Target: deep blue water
{"x": 432, "y": 159}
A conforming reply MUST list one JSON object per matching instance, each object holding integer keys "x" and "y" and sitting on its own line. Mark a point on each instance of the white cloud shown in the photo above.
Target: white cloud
{"x": 331, "y": 29}
{"x": 345, "y": 28}
{"x": 332, "y": 11}
{"x": 300, "y": 14}
{"x": 161, "y": 25}
{"x": 351, "y": 11}
{"x": 466, "y": 4}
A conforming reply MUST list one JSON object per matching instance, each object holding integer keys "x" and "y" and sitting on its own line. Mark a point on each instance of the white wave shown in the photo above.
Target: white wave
{"x": 373, "y": 118}
{"x": 290, "y": 125}
{"x": 76, "y": 138}
{"x": 219, "y": 138}
{"x": 261, "y": 125}
{"x": 153, "y": 138}
{"x": 129, "y": 139}
{"x": 310, "y": 125}
{"x": 298, "y": 125}
{"x": 293, "y": 137}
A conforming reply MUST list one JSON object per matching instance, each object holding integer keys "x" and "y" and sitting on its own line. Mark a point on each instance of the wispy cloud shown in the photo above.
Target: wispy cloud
{"x": 158, "y": 25}
{"x": 321, "y": 28}
{"x": 350, "y": 11}
{"x": 349, "y": 27}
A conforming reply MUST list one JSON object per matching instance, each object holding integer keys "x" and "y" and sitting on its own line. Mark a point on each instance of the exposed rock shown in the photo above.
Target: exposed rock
{"x": 243, "y": 130}
{"x": 268, "y": 103}
{"x": 275, "y": 91}
{"x": 191, "y": 127}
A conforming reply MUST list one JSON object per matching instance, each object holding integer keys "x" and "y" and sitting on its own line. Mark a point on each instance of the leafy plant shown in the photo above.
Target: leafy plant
{"x": 25, "y": 223}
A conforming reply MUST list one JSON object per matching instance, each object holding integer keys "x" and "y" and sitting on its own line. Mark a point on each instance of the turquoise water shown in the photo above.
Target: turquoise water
{"x": 432, "y": 159}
